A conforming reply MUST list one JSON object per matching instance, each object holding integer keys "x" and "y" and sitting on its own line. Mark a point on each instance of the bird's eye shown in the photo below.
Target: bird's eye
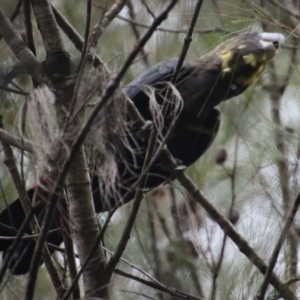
{"x": 276, "y": 44}
{"x": 233, "y": 87}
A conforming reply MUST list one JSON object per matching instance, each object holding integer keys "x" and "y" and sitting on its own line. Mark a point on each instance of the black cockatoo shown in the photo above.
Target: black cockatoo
{"x": 221, "y": 74}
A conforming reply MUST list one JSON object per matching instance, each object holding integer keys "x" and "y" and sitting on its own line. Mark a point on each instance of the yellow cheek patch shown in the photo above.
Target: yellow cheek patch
{"x": 226, "y": 57}
{"x": 242, "y": 46}
{"x": 246, "y": 81}
{"x": 250, "y": 59}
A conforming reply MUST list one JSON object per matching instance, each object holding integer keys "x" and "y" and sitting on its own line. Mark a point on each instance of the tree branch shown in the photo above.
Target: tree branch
{"x": 159, "y": 287}
{"x": 17, "y": 142}
{"x": 15, "y": 13}
{"x": 47, "y": 25}
{"x": 20, "y": 49}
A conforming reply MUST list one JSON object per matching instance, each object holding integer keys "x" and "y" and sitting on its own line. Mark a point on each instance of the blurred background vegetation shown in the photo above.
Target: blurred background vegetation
{"x": 251, "y": 172}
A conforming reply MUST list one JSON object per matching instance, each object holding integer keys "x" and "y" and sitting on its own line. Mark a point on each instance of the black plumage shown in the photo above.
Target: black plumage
{"x": 219, "y": 75}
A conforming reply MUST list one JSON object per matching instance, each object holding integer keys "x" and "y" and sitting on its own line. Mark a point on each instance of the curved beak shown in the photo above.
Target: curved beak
{"x": 270, "y": 42}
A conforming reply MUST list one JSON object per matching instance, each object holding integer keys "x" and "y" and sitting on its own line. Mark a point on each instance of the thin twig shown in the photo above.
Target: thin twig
{"x": 15, "y": 13}
{"x": 148, "y": 9}
{"x": 153, "y": 243}
{"x": 216, "y": 269}
{"x": 24, "y": 237}
{"x": 86, "y": 33}
{"x": 273, "y": 259}
{"x": 28, "y": 26}
{"x": 136, "y": 32}
{"x": 178, "y": 31}
{"x": 61, "y": 250}
{"x": 232, "y": 175}
{"x": 66, "y": 231}
{"x": 17, "y": 142}
{"x": 29, "y": 33}
{"x": 162, "y": 288}
{"x": 18, "y": 92}
{"x": 20, "y": 49}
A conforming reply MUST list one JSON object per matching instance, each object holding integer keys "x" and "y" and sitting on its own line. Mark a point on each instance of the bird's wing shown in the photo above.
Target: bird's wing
{"x": 192, "y": 135}
{"x": 195, "y": 138}
{"x": 157, "y": 73}
{"x": 153, "y": 76}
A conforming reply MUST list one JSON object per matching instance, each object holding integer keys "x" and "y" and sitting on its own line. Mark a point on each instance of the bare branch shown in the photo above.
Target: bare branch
{"x": 99, "y": 28}
{"x": 68, "y": 29}
{"x": 46, "y": 23}
{"x": 136, "y": 32}
{"x": 86, "y": 33}
{"x": 66, "y": 231}
{"x": 17, "y": 142}
{"x": 16, "y": 12}
{"x": 20, "y": 49}
{"x": 24, "y": 237}
{"x": 148, "y": 8}
{"x": 158, "y": 287}
{"x": 162, "y": 29}
{"x": 28, "y": 26}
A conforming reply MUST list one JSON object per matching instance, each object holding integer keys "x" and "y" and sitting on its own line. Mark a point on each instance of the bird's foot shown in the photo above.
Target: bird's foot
{"x": 180, "y": 168}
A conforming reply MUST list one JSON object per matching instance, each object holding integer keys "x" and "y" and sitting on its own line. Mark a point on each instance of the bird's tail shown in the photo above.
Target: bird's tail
{"x": 11, "y": 220}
